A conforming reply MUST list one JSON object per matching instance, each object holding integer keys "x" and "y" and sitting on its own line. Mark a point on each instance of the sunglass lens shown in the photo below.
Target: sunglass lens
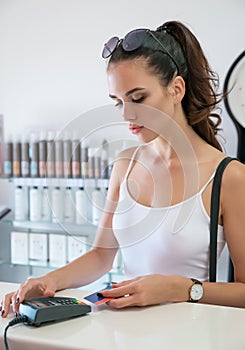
{"x": 134, "y": 39}
{"x": 110, "y": 47}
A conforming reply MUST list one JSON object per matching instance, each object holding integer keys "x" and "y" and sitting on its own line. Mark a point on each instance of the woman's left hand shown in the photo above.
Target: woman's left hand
{"x": 148, "y": 290}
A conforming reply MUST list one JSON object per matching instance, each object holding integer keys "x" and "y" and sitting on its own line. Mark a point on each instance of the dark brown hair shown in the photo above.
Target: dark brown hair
{"x": 201, "y": 97}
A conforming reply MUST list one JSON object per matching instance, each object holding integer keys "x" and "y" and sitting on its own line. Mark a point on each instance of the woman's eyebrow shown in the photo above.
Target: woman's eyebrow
{"x": 128, "y": 92}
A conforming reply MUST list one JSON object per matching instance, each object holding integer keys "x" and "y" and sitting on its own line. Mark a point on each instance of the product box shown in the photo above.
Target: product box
{"x": 57, "y": 250}
{"x": 19, "y": 248}
{"x": 77, "y": 246}
{"x": 38, "y": 249}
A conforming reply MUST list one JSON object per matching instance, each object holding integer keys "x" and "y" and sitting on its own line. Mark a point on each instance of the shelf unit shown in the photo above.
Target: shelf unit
{"x": 84, "y": 230}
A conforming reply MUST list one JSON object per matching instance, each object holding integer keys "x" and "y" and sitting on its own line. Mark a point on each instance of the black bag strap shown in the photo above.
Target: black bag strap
{"x": 214, "y": 216}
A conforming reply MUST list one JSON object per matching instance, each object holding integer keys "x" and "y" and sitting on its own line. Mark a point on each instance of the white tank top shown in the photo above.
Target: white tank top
{"x": 168, "y": 240}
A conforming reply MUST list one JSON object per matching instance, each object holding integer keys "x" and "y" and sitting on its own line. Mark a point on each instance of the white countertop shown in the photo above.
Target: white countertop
{"x": 171, "y": 327}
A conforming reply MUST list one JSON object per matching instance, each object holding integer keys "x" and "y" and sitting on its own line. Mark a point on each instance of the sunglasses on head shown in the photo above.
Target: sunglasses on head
{"x": 132, "y": 41}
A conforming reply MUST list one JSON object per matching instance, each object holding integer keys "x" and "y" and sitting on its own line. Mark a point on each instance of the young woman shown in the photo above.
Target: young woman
{"x": 158, "y": 201}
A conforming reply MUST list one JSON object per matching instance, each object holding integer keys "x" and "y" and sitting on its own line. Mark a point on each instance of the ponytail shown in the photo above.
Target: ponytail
{"x": 201, "y": 85}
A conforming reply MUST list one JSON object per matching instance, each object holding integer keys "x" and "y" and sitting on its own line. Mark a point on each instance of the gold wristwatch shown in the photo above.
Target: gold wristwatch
{"x": 196, "y": 291}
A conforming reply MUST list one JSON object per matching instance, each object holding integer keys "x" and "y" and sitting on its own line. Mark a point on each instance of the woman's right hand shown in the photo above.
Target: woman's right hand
{"x": 33, "y": 287}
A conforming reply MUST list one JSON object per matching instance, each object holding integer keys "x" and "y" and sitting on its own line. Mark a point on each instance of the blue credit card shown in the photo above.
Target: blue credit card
{"x": 96, "y": 298}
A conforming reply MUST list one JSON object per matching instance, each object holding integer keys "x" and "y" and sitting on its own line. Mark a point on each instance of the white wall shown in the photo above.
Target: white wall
{"x": 51, "y": 70}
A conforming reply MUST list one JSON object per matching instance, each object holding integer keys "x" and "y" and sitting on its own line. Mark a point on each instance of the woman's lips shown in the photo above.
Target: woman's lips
{"x": 135, "y": 129}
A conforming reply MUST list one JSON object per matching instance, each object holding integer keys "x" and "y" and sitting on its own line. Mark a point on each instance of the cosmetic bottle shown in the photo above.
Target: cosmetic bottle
{"x": 91, "y": 152}
{"x": 104, "y": 160}
{"x": 97, "y": 163}
{"x": 81, "y": 206}
{"x": 21, "y": 203}
{"x": 58, "y": 146}
{"x": 84, "y": 160}
{"x": 25, "y": 159}
{"x": 35, "y": 204}
{"x": 75, "y": 162}
{"x": 8, "y": 157}
{"x": 67, "y": 150}
{"x": 98, "y": 202}
{"x": 16, "y": 158}
{"x": 45, "y": 205}
{"x": 42, "y": 154}
{"x": 69, "y": 209}
{"x": 51, "y": 154}
{"x": 104, "y": 165}
{"x": 110, "y": 166}
{"x": 57, "y": 205}
{"x": 34, "y": 155}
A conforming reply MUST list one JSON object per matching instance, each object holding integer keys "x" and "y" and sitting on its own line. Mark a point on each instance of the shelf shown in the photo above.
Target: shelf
{"x": 82, "y": 229}
{"x": 59, "y": 182}
{"x": 113, "y": 272}
{"x": 9, "y": 263}
{"x": 56, "y": 227}
{"x": 29, "y": 265}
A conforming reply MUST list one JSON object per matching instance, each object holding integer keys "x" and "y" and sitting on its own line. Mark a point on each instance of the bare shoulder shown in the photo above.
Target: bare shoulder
{"x": 127, "y": 153}
{"x": 122, "y": 161}
{"x": 233, "y": 186}
{"x": 234, "y": 175}
{"x": 233, "y": 191}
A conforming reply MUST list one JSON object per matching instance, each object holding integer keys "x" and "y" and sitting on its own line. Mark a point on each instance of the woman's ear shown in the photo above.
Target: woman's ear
{"x": 178, "y": 88}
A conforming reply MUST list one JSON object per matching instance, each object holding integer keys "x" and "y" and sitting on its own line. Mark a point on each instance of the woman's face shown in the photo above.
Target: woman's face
{"x": 134, "y": 91}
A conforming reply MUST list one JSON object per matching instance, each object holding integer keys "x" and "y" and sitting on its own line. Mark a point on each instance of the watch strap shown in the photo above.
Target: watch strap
{"x": 196, "y": 281}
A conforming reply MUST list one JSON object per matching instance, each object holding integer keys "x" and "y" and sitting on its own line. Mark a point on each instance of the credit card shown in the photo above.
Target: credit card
{"x": 96, "y": 298}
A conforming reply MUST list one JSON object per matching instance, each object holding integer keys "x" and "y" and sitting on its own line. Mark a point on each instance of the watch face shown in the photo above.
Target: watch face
{"x": 196, "y": 292}
{"x": 235, "y": 86}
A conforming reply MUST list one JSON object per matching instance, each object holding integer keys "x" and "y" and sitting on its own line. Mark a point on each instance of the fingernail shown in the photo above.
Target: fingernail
{"x": 108, "y": 302}
{"x": 17, "y": 300}
{"x": 2, "y": 312}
